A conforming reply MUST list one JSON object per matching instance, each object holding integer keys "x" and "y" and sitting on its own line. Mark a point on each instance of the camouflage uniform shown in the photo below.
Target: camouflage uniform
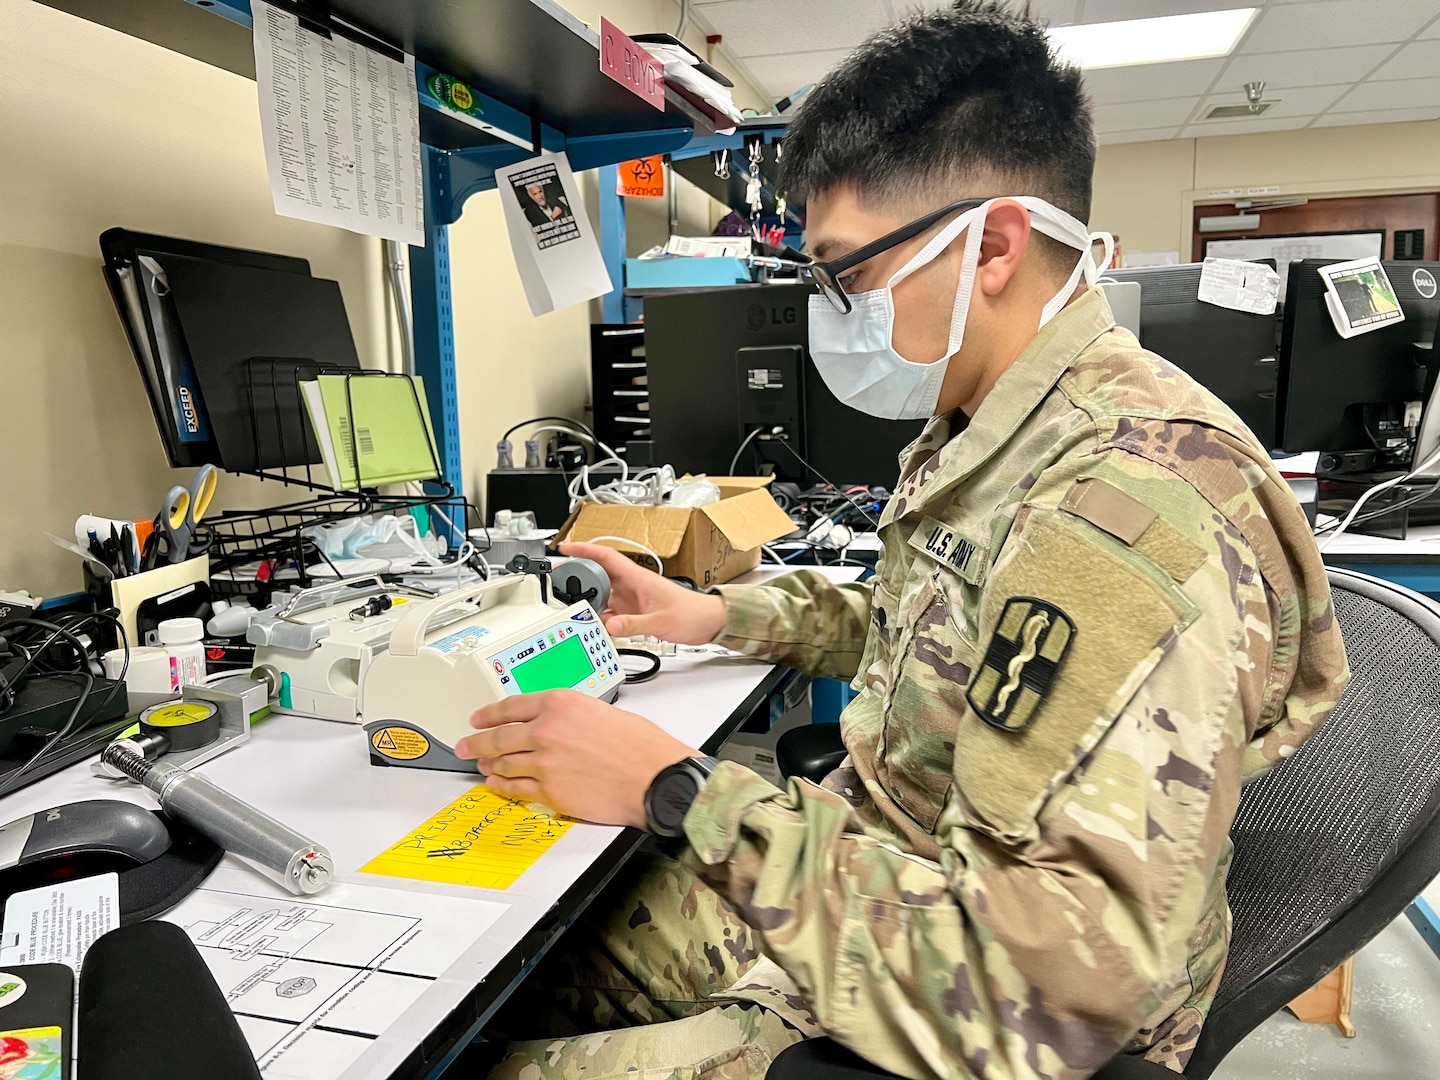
{"x": 1098, "y": 612}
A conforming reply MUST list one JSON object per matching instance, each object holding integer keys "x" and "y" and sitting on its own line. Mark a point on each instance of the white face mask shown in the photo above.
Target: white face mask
{"x": 855, "y": 354}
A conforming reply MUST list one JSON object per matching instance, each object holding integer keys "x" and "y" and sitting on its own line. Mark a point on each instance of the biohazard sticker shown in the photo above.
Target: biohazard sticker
{"x": 1021, "y": 661}
{"x": 400, "y": 743}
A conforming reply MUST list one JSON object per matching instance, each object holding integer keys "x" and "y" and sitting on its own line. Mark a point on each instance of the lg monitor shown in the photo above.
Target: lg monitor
{"x": 1348, "y": 397}
{"x": 1230, "y": 353}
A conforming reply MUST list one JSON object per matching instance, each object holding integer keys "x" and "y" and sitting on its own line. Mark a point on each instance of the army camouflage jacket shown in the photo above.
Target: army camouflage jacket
{"x": 1098, "y": 612}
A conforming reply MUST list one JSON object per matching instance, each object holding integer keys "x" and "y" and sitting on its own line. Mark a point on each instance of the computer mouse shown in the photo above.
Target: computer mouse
{"x": 77, "y": 840}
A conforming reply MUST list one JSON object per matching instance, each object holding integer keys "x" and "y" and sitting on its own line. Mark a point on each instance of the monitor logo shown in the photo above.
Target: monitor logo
{"x": 1424, "y": 282}
{"x": 755, "y": 317}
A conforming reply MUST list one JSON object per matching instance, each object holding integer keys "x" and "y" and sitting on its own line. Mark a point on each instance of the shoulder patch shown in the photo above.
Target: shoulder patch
{"x": 1021, "y": 661}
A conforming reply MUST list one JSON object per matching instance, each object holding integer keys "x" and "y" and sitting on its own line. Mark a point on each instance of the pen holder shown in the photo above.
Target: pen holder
{"x": 176, "y": 591}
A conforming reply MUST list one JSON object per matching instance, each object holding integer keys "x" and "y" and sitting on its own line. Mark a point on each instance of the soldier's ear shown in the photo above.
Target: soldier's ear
{"x": 1007, "y": 238}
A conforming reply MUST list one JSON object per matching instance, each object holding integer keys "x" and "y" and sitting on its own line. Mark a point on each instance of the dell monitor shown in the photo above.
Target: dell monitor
{"x": 723, "y": 362}
{"x": 1230, "y": 353}
{"x": 1346, "y": 397}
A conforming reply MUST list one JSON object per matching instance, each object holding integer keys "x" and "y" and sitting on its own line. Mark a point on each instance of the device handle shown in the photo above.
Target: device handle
{"x": 409, "y": 632}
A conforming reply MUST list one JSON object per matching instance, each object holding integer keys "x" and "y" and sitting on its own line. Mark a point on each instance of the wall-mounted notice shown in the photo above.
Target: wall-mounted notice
{"x": 342, "y": 130}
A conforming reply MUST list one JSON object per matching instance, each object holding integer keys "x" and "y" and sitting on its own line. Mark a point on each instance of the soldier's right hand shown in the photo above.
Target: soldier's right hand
{"x": 642, "y": 602}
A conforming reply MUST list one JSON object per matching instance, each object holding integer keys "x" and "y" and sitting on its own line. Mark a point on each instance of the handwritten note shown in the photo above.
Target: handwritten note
{"x": 481, "y": 839}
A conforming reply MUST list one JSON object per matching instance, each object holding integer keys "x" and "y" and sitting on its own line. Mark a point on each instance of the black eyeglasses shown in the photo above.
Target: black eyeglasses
{"x": 826, "y": 276}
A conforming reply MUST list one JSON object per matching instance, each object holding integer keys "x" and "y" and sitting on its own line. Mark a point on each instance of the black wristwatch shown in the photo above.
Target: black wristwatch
{"x": 673, "y": 792}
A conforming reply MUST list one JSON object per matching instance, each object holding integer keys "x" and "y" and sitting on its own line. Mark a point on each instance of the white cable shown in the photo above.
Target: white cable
{"x": 659, "y": 563}
{"x": 744, "y": 443}
{"x": 1385, "y": 486}
{"x": 768, "y": 550}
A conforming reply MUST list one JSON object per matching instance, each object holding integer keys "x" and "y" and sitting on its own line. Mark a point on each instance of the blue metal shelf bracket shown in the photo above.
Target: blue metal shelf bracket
{"x": 612, "y": 241}
{"x": 432, "y": 301}
{"x": 1424, "y": 919}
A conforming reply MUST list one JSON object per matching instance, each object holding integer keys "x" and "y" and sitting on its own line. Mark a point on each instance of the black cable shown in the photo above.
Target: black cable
{"x": 859, "y": 509}
{"x": 11, "y": 781}
{"x": 543, "y": 419}
{"x": 1380, "y": 511}
{"x": 648, "y": 673}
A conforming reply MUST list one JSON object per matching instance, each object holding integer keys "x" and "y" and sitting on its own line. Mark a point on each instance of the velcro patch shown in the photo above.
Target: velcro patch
{"x": 945, "y": 544}
{"x": 1107, "y": 507}
{"x": 1021, "y": 661}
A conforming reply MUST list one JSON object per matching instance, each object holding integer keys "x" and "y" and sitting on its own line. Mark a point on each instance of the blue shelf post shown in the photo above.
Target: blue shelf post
{"x": 431, "y": 300}
{"x": 612, "y": 241}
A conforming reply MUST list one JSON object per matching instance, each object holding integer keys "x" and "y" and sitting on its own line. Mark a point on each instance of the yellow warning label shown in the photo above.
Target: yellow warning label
{"x": 400, "y": 743}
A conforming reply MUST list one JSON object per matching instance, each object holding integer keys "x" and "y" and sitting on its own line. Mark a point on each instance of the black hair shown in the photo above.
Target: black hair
{"x": 967, "y": 95}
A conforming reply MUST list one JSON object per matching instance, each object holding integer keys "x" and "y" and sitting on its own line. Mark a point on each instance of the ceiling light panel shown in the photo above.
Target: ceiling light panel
{"x": 1196, "y": 36}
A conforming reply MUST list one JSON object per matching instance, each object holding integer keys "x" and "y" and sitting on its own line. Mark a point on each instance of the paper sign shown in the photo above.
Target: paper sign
{"x": 57, "y": 924}
{"x": 643, "y": 179}
{"x": 555, "y": 248}
{"x": 1240, "y": 286}
{"x": 481, "y": 839}
{"x": 630, "y": 65}
{"x": 1359, "y": 296}
{"x": 341, "y": 125}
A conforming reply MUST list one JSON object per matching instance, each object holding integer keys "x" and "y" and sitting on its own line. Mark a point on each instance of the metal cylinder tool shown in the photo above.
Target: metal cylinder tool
{"x": 277, "y": 850}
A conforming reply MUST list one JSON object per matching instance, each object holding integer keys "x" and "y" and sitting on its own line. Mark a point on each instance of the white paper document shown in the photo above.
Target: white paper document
{"x": 341, "y": 125}
{"x": 315, "y": 980}
{"x": 57, "y": 924}
{"x": 555, "y": 249}
{"x": 1241, "y": 286}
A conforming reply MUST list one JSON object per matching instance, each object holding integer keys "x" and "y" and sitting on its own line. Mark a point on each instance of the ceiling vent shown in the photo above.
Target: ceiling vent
{"x": 1253, "y": 106}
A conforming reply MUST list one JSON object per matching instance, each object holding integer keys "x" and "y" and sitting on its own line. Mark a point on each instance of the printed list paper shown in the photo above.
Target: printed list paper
{"x": 341, "y": 125}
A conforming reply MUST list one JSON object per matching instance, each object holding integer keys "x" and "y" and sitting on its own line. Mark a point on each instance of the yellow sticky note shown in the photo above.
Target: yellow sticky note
{"x": 481, "y": 839}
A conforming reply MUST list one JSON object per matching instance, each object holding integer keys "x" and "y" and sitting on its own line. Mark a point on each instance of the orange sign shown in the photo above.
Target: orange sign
{"x": 642, "y": 179}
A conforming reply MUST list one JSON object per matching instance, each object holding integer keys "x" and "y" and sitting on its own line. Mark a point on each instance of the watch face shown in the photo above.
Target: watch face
{"x": 671, "y": 798}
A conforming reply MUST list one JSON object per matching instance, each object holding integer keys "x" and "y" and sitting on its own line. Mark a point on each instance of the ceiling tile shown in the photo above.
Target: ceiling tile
{"x": 1111, "y": 86}
{"x": 1293, "y": 102}
{"x": 1378, "y": 116}
{"x": 1433, "y": 30}
{"x": 782, "y": 75}
{"x": 1099, "y": 11}
{"x": 1316, "y": 67}
{"x": 1243, "y": 127}
{"x": 1335, "y": 24}
{"x": 1416, "y": 61}
{"x": 1402, "y": 94}
{"x": 1143, "y": 135}
{"x": 1135, "y": 115}
{"x": 772, "y": 27}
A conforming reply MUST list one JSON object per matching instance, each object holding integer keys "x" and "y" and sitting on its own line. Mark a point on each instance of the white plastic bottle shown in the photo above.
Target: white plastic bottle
{"x": 181, "y": 640}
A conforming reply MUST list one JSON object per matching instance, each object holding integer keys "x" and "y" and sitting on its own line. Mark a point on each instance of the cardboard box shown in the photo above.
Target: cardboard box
{"x": 707, "y": 544}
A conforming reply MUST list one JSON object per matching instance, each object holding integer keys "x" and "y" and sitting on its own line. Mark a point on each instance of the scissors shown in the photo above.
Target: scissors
{"x": 182, "y": 511}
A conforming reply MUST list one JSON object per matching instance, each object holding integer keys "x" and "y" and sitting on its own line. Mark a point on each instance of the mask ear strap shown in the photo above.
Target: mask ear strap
{"x": 1086, "y": 267}
{"x": 969, "y": 267}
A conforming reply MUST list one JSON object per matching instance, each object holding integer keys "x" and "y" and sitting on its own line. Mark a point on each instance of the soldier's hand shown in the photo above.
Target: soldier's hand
{"x": 642, "y": 602}
{"x": 578, "y": 756}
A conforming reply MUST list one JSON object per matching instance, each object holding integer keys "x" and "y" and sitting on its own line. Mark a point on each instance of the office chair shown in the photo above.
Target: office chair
{"x": 1330, "y": 846}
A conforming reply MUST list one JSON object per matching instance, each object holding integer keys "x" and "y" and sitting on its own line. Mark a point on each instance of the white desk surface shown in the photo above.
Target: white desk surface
{"x": 315, "y": 776}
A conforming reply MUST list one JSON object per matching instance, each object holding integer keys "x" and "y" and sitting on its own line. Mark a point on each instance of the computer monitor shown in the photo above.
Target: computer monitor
{"x": 1230, "y": 353}
{"x": 720, "y": 362}
{"x": 1346, "y": 396}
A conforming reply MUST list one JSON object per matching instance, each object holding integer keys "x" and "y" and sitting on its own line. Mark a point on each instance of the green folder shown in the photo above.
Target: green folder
{"x": 385, "y": 417}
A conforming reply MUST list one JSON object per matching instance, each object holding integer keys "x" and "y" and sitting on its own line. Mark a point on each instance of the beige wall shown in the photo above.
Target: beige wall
{"x": 96, "y": 130}
{"x": 511, "y": 366}
{"x": 1146, "y": 192}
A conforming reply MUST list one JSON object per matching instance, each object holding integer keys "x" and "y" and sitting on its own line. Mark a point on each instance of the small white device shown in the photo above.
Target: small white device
{"x": 449, "y": 656}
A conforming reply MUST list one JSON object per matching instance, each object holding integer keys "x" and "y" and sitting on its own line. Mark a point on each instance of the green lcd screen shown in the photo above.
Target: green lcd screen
{"x": 557, "y": 668}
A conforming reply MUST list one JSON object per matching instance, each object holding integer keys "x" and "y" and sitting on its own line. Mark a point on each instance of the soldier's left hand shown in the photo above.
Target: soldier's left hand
{"x": 578, "y": 756}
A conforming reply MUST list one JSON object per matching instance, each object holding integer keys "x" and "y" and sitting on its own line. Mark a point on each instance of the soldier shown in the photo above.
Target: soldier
{"x": 1097, "y": 613}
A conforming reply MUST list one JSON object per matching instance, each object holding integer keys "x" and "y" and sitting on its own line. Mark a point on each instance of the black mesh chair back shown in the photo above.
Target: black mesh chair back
{"x": 1330, "y": 846}
{"x": 1337, "y": 841}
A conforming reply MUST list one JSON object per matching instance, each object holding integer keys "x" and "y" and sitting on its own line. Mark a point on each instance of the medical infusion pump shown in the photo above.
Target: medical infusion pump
{"x": 511, "y": 638}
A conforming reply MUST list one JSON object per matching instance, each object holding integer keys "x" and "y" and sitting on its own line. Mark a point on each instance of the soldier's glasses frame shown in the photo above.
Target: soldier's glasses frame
{"x": 827, "y": 276}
